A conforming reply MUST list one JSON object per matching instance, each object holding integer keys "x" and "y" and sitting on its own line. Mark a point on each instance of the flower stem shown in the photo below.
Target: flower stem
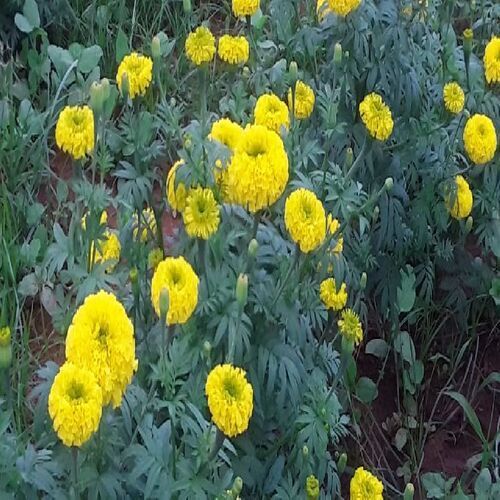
{"x": 74, "y": 467}
{"x": 287, "y": 276}
{"x": 219, "y": 439}
{"x": 357, "y": 161}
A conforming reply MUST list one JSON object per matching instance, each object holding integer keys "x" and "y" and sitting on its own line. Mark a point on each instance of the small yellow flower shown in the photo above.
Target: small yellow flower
{"x": 226, "y": 132}
{"x": 343, "y": 7}
{"x": 459, "y": 200}
{"x": 242, "y": 8}
{"x": 75, "y": 131}
{"x": 376, "y": 116}
{"x": 271, "y": 112}
{"x": 365, "y": 486}
{"x": 230, "y": 399}
{"x": 491, "y": 60}
{"x": 454, "y": 97}
{"x": 200, "y": 46}
{"x": 312, "y": 488}
{"x": 201, "y": 214}
{"x": 350, "y": 326}
{"x": 304, "y": 100}
{"x": 176, "y": 191}
{"x": 148, "y": 225}
{"x": 331, "y": 297}
{"x": 234, "y": 49}
{"x": 332, "y": 226}
{"x": 480, "y": 139}
{"x": 139, "y": 71}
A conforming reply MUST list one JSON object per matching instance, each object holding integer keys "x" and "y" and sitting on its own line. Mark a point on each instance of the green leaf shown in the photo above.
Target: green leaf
{"x": 401, "y": 438}
{"x": 406, "y": 293}
{"x": 89, "y": 58}
{"x": 121, "y": 48}
{"x": 482, "y": 485}
{"x": 434, "y": 485}
{"x": 61, "y": 58}
{"x": 404, "y": 346}
{"x": 30, "y": 11}
{"x": 366, "y": 390}
{"x": 377, "y": 347}
{"x": 23, "y": 24}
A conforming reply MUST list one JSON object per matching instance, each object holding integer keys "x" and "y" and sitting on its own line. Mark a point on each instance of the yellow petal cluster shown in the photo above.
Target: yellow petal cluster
{"x": 350, "y": 326}
{"x": 365, "y": 486}
{"x": 201, "y": 214}
{"x": 226, "y": 132}
{"x": 312, "y": 487}
{"x": 101, "y": 340}
{"x": 343, "y": 7}
{"x": 258, "y": 172}
{"x": 107, "y": 250}
{"x": 480, "y": 139}
{"x": 322, "y": 9}
{"x": 103, "y": 219}
{"x": 139, "y": 70}
{"x": 178, "y": 277}
{"x": 491, "y": 60}
{"x": 200, "y": 46}
{"x": 75, "y": 404}
{"x": 234, "y": 49}
{"x": 454, "y": 97}
{"x": 176, "y": 191}
{"x": 242, "y": 8}
{"x": 332, "y": 226}
{"x": 304, "y": 100}
{"x": 459, "y": 200}
{"x": 271, "y": 112}
{"x": 147, "y": 225}
{"x": 230, "y": 399}
{"x": 376, "y": 116}
{"x": 331, "y": 297}
{"x": 75, "y": 131}
{"x": 305, "y": 219}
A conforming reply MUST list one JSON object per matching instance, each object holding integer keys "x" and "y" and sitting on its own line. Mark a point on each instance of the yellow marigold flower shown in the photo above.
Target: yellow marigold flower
{"x": 154, "y": 258}
{"x": 376, "y": 116}
{"x": 459, "y": 199}
{"x": 242, "y": 8}
{"x": 491, "y": 60}
{"x": 343, "y": 7}
{"x": 176, "y": 191}
{"x": 200, "y": 46}
{"x": 234, "y": 49}
{"x": 4, "y": 336}
{"x": 230, "y": 399}
{"x": 103, "y": 220}
{"x": 106, "y": 250}
{"x": 322, "y": 9}
{"x": 365, "y": 486}
{"x": 258, "y": 172}
{"x": 350, "y": 326}
{"x": 304, "y": 100}
{"x": 332, "y": 298}
{"x": 177, "y": 276}
{"x": 75, "y": 131}
{"x": 480, "y": 139}
{"x": 454, "y": 97}
{"x": 305, "y": 219}
{"x": 312, "y": 488}
{"x": 226, "y": 132}
{"x": 75, "y": 404}
{"x": 332, "y": 226}
{"x": 271, "y": 112}
{"x": 101, "y": 339}
{"x": 148, "y": 224}
{"x": 139, "y": 71}
{"x": 201, "y": 214}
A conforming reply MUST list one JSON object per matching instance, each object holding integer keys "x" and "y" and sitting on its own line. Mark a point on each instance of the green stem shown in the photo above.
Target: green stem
{"x": 74, "y": 467}
{"x": 287, "y": 276}
{"x": 232, "y": 337}
{"x": 358, "y": 160}
{"x": 219, "y": 439}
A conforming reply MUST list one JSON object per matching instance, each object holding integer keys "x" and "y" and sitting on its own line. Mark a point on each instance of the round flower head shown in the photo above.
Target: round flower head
{"x": 350, "y": 326}
{"x": 75, "y": 404}
{"x": 322, "y": 9}
{"x": 75, "y": 131}
{"x": 332, "y": 226}
{"x": 459, "y": 200}
{"x": 258, "y": 172}
{"x": 230, "y": 399}
{"x": 480, "y": 139}
{"x": 242, "y": 8}
{"x": 312, "y": 488}
{"x": 177, "y": 276}
{"x": 331, "y": 297}
{"x": 107, "y": 250}
{"x": 365, "y": 486}
{"x": 148, "y": 224}
{"x": 176, "y": 191}
{"x": 101, "y": 339}
{"x": 305, "y": 219}
{"x": 226, "y": 132}
{"x": 200, "y": 46}
{"x": 454, "y": 97}
{"x": 139, "y": 70}
{"x": 271, "y": 112}
{"x": 234, "y": 49}
{"x": 343, "y": 7}
{"x": 491, "y": 60}
{"x": 304, "y": 100}
{"x": 376, "y": 116}
{"x": 201, "y": 214}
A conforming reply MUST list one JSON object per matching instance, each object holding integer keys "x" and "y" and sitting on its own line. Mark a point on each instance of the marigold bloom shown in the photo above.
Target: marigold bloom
{"x": 376, "y": 116}
{"x": 201, "y": 214}
{"x": 304, "y": 100}
{"x": 312, "y": 488}
{"x": 258, "y": 172}
{"x": 75, "y": 404}
{"x": 234, "y": 49}
{"x": 365, "y": 486}
{"x": 491, "y": 60}
{"x": 332, "y": 298}
{"x": 178, "y": 277}
{"x": 230, "y": 399}
{"x": 226, "y": 132}
{"x": 148, "y": 224}
{"x": 75, "y": 131}
{"x": 200, "y": 46}
{"x": 343, "y": 7}
{"x": 332, "y": 226}
{"x": 107, "y": 250}
{"x": 454, "y": 97}
{"x": 242, "y": 8}
{"x": 271, "y": 112}
{"x": 176, "y": 191}
{"x": 139, "y": 71}
{"x": 101, "y": 339}
{"x": 322, "y": 9}
{"x": 350, "y": 326}
{"x": 305, "y": 219}
{"x": 459, "y": 200}
{"x": 480, "y": 139}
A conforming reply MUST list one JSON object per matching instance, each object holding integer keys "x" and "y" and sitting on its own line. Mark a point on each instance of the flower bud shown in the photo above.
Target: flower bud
{"x": 164, "y": 302}
{"x": 293, "y": 71}
{"x": 312, "y": 488}
{"x": 207, "y": 348}
{"x": 155, "y": 47}
{"x": 96, "y": 97}
{"x": 154, "y": 258}
{"x": 409, "y": 491}
{"x": 253, "y": 248}
{"x": 376, "y": 212}
{"x": 466, "y": 113}
{"x": 237, "y": 486}
{"x": 186, "y": 5}
{"x": 362, "y": 281}
{"x": 349, "y": 158}
{"x": 125, "y": 86}
{"x": 305, "y": 451}
{"x": 341, "y": 463}
{"x": 105, "y": 88}
{"x": 187, "y": 142}
{"x": 242, "y": 290}
{"x": 133, "y": 275}
{"x": 5, "y": 347}
{"x": 337, "y": 54}
{"x": 468, "y": 224}
{"x": 389, "y": 183}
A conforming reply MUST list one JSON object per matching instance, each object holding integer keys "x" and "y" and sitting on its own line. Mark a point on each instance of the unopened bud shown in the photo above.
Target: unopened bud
{"x": 362, "y": 281}
{"x": 409, "y": 492}
{"x": 293, "y": 71}
{"x": 341, "y": 463}
{"x": 125, "y": 86}
{"x": 207, "y": 348}
{"x": 466, "y": 113}
{"x": 246, "y": 72}
{"x": 349, "y": 158}
{"x": 337, "y": 54}
{"x": 186, "y": 5}
{"x": 154, "y": 258}
{"x": 468, "y": 224}
{"x": 312, "y": 488}
{"x": 237, "y": 486}
{"x": 133, "y": 275}
{"x": 376, "y": 212}
{"x": 187, "y": 141}
{"x": 105, "y": 88}
{"x": 5, "y": 348}
{"x": 305, "y": 451}
{"x": 253, "y": 248}
{"x": 242, "y": 290}
{"x": 389, "y": 183}
{"x": 96, "y": 98}
{"x": 155, "y": 47}
{"x": 164, "y": 303}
